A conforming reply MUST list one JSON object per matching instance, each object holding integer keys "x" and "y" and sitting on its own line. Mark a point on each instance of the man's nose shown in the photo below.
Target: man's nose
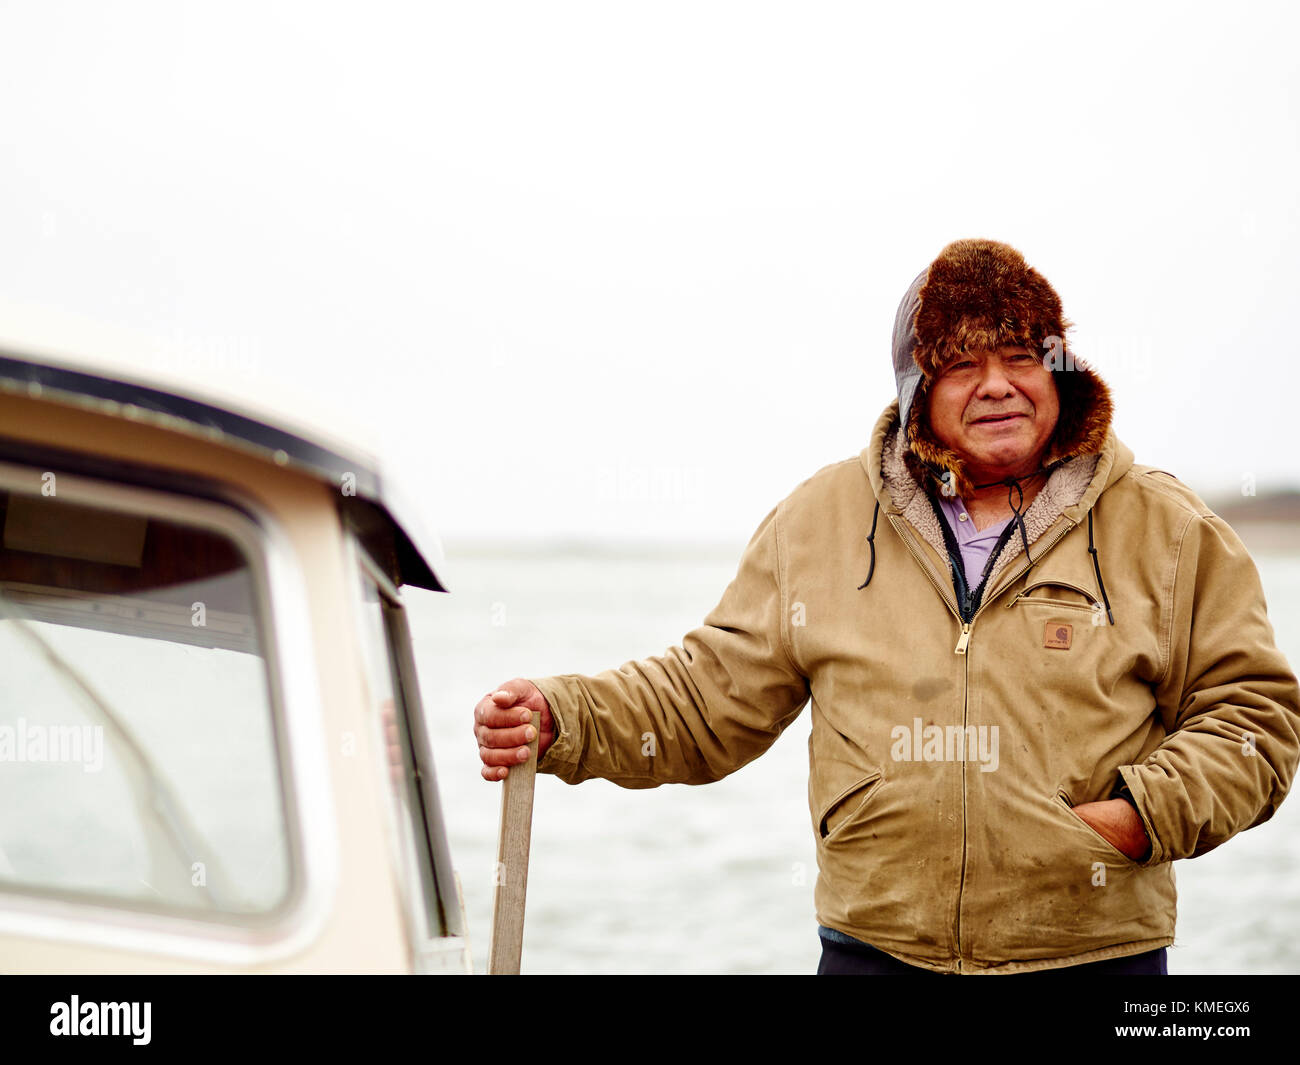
{"x": 994, "y": 382}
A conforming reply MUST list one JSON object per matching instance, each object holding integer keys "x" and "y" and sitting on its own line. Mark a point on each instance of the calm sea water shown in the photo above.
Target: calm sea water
{"x": 682, "y": 879}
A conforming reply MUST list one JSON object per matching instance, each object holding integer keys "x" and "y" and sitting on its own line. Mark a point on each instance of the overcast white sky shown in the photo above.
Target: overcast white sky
{"x": 630, "y": 270}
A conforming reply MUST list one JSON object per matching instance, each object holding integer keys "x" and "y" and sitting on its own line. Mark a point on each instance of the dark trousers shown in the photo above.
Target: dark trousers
{"x": 859, "y": 959}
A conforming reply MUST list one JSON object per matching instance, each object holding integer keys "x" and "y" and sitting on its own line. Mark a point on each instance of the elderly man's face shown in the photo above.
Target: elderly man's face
{"x": 997, "y": 409}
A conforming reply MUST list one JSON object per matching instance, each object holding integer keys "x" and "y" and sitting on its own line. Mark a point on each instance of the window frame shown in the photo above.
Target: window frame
{"x": 448, "y": 951}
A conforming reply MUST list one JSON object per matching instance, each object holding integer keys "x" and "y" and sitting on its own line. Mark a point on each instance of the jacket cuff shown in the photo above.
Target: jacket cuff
{"x": 563, "y": 752}
{"x": 1130, "y": 788}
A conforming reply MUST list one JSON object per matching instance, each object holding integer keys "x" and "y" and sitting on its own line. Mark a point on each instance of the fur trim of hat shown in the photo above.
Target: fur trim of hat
{"x": 981, "y": 295}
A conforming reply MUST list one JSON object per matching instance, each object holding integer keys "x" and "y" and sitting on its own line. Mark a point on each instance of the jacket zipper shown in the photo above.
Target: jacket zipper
{"x": 963, "y": 642}
{"x": 965, "y": 709}
{"x": 964, "y": 639}
{"x": 1061, "y": 603}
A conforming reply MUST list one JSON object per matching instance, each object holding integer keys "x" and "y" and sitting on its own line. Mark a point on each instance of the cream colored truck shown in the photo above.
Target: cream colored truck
{"x": 212, "y": 751}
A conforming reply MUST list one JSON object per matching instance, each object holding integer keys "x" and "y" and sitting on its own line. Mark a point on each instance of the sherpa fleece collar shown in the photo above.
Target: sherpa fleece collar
{"x": 1071, "y": 490}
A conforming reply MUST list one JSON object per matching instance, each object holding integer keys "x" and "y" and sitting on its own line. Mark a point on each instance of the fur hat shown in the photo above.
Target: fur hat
{"x": 980, "y": 295}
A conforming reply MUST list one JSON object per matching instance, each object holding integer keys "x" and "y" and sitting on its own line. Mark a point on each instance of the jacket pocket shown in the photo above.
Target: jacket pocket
{"x": 847, "y": 805}
{"x": 1054, "y": 593}
{"x": 1101, "y": 841}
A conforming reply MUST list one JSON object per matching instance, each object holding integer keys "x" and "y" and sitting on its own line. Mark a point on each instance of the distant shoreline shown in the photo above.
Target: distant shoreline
{"x": 1269, "y": 537}
{"x": 1269, "y": 523}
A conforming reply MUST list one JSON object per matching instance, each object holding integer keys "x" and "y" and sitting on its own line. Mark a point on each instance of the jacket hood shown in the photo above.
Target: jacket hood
{"x": 980, "y": 295}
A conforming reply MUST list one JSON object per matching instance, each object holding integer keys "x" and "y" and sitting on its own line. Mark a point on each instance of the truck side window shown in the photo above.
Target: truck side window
{"x": 139, "y": 758}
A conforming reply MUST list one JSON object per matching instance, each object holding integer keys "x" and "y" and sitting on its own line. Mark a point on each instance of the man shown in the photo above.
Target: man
{"x": 1038, "y": 672}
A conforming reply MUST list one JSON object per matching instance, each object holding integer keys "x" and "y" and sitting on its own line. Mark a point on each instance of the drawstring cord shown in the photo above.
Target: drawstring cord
{"x": 871, "y": 542}
{"x": 1092, "y": 550}
{"x": 1013, "y": 484}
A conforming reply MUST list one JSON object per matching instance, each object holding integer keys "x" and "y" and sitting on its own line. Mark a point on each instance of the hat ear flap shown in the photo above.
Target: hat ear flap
{"x": 1086, "y": 409}
{"x": 927, "y": 459}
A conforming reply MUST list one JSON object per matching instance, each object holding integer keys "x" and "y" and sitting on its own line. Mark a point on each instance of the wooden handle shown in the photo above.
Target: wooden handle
{"x": 512, "y": 862}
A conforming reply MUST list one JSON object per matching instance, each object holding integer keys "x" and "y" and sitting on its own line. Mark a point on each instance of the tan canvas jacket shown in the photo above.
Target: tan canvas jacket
{"x": 945, "y": 759}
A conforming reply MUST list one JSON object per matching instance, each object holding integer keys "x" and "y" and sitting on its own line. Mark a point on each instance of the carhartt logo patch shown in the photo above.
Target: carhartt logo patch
{"x": 1058, "y": 635}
